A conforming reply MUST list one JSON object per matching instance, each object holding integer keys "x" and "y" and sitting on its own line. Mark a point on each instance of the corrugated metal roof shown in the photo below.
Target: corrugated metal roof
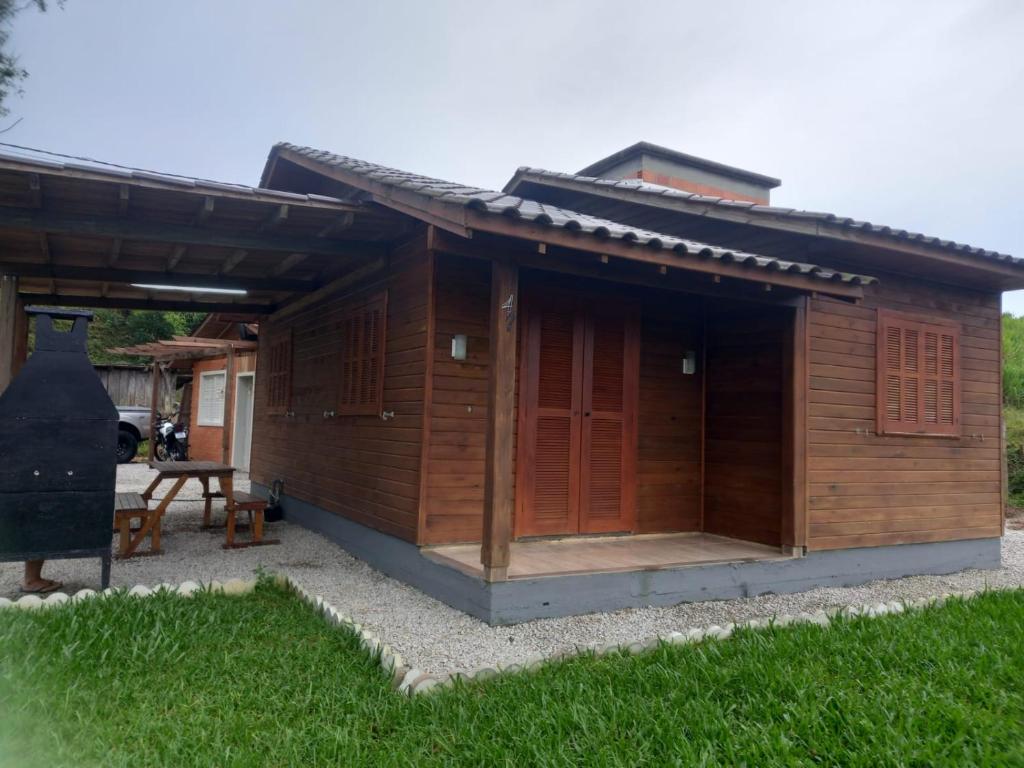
{"x": 34, "y": 160}
{"x": 502, "y": 204}
{"x": 643, "y": 191}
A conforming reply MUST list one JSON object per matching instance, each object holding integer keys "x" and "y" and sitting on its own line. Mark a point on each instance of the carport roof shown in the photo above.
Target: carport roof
{"x": 83, "y": 234}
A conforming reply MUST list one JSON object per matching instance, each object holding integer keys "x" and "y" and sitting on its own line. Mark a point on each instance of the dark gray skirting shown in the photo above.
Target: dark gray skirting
{"x": 510, "y": 602}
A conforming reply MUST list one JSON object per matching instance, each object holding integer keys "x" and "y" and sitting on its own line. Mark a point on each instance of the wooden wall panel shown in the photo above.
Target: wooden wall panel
{"x": 743, "y": 423}
{"x": 455, "y": 479}
{"x": 669, "y": 434}
{"x": 361, "y": 467}
{"x": 867, "y": 489}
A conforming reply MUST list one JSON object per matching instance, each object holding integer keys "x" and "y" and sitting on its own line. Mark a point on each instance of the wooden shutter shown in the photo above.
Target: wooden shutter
{"x": 279, "y": 373}
{"x": 362, "y": 357}
{"x": 610, "y": 359}
{"x": 918, "y": 376}
{"x": 550, "y": 438}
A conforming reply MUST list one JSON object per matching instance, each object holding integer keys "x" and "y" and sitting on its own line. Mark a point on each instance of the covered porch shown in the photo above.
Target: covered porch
{"x": 711, "y": 465}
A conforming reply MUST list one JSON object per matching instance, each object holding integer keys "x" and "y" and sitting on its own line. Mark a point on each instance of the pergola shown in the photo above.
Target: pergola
{"x": 187, "y": 348}
{"x": 86, "y": 235}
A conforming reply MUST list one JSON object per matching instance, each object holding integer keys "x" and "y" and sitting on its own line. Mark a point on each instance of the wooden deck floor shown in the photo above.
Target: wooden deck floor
{"x": 603, "y": 554}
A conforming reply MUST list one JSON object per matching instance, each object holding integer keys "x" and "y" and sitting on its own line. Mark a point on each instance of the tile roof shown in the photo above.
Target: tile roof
{"x": 642, "y": 191}
{"x": 512, "y": 206}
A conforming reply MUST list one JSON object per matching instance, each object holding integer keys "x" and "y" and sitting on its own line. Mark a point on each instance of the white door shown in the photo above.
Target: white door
{"x": 241, "y": 439}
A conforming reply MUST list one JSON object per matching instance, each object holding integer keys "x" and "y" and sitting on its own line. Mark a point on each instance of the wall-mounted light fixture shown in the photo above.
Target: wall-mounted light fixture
{"x": 459, "y": 346}
{"x": 689, "y": 362}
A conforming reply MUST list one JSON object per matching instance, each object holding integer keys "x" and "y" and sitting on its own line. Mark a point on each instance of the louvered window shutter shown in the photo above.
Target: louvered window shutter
{"x": 362, "y": 358}
{"x": 279, "y": 373}
{"x": 918, "y": 376}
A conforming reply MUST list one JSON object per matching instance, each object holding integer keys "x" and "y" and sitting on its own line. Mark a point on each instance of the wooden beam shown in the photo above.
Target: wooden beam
{"x": 21, "y": 324}
{"x": 97, "y": 226}
{"x": 177, "y": 253}
{"x": 333, "y": 287}
{"x": 8, "y": 327}
{"x": 124, "y": 196}
{"x": 154, "y": 396}
{"x": 229, "y": 391}
{"x": 339, "y": 224}
{"x": 428, "y": 397}
{"x": 276, "y": 218}
{"x": 232, "y": 261}
{"x": 167, "y": 305}
{"x": 115, "y": 251}
{"x": 287, "y": 263}
{"x": 35, "y": 191}
{"x": 185, "y": 279}
{"x": 796, "y": 383}
{"x": 499, "y": 493}
{"x": 205, "y": 211}
{"x": 619, "y": 271}
{"x": 531, "y": 231}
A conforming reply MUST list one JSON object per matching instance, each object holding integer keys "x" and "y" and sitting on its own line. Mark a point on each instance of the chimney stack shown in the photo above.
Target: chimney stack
{"x": 668, "y": 168}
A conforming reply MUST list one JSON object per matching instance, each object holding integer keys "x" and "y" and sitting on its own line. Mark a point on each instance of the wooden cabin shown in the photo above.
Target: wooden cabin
{"x": 613, "y": 388}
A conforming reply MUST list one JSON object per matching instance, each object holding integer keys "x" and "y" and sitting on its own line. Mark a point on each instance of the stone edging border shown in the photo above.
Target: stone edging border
{"x": 412, "y": 681}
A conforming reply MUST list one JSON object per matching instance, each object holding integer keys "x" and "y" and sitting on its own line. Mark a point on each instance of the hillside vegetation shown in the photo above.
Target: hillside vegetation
{"x": 128, "y": 327}
{"x": 1013, "y": 401}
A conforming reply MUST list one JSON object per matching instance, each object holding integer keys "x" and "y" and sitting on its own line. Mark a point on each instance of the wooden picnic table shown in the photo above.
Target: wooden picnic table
{"x": 181, "y": 472}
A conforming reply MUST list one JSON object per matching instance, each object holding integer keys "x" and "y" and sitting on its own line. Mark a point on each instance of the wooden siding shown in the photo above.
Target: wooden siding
{"x": 361, "y": 467}
{"x": 458, "y": 411}
{"x": 669, "y": 434}
{"x": 133, "y": 385}
{"x": 867, "y": 489}
{"x": 743, "y": 424}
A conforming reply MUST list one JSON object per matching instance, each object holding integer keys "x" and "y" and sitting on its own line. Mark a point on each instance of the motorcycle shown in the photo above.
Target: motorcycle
{"x": 171, "y": 439}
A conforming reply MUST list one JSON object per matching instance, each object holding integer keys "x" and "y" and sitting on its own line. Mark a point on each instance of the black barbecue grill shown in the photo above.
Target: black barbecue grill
{"x": 58, "y": 440}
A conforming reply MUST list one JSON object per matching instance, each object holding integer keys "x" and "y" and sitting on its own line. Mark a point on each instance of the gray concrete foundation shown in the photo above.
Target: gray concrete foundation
{"x": 510, "y": 602}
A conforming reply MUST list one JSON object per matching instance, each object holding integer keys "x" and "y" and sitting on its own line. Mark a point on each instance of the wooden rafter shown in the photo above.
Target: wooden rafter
{"x": 166, "y": 305}
{"x": 232, "y": 261}
{"x": 98, "y": 226}
{"x": 114, "y": 275}
{"x": 276, "y": 218}
{"x": 35, "y": 191}
{"x": 287, "y": 263}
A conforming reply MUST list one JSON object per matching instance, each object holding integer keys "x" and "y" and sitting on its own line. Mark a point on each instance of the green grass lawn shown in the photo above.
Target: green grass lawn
{"x": 262, "y": 680}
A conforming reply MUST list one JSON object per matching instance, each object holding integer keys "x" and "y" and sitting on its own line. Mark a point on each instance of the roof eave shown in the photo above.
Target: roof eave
{"x": 1012, "y": 273}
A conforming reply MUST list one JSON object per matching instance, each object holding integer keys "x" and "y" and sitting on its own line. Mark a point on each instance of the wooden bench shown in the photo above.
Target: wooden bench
{"x": 254, "y": 506}
{"x": 128, "y": 507}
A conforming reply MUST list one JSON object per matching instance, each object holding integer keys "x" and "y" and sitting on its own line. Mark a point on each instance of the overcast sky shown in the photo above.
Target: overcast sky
{"x": 901, "y": 113}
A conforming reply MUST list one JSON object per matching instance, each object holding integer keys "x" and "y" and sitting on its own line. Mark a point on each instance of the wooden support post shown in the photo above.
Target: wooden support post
{"x": 8, "y": 327}
{"x": 498, "y": 481}
{"x": 794, "y": 431}
{"x": 229, "y": 397}
{"x": 154, "y": 396}
{"x": 20, "y": 338}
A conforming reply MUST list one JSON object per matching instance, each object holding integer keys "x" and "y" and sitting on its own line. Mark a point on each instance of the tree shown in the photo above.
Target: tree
{"x": 11, "y": 74}
{"x": 127, "y": 328}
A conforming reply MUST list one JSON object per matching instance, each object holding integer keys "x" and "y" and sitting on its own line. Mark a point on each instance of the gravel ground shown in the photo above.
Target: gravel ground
{"x": 429, "y": 634}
